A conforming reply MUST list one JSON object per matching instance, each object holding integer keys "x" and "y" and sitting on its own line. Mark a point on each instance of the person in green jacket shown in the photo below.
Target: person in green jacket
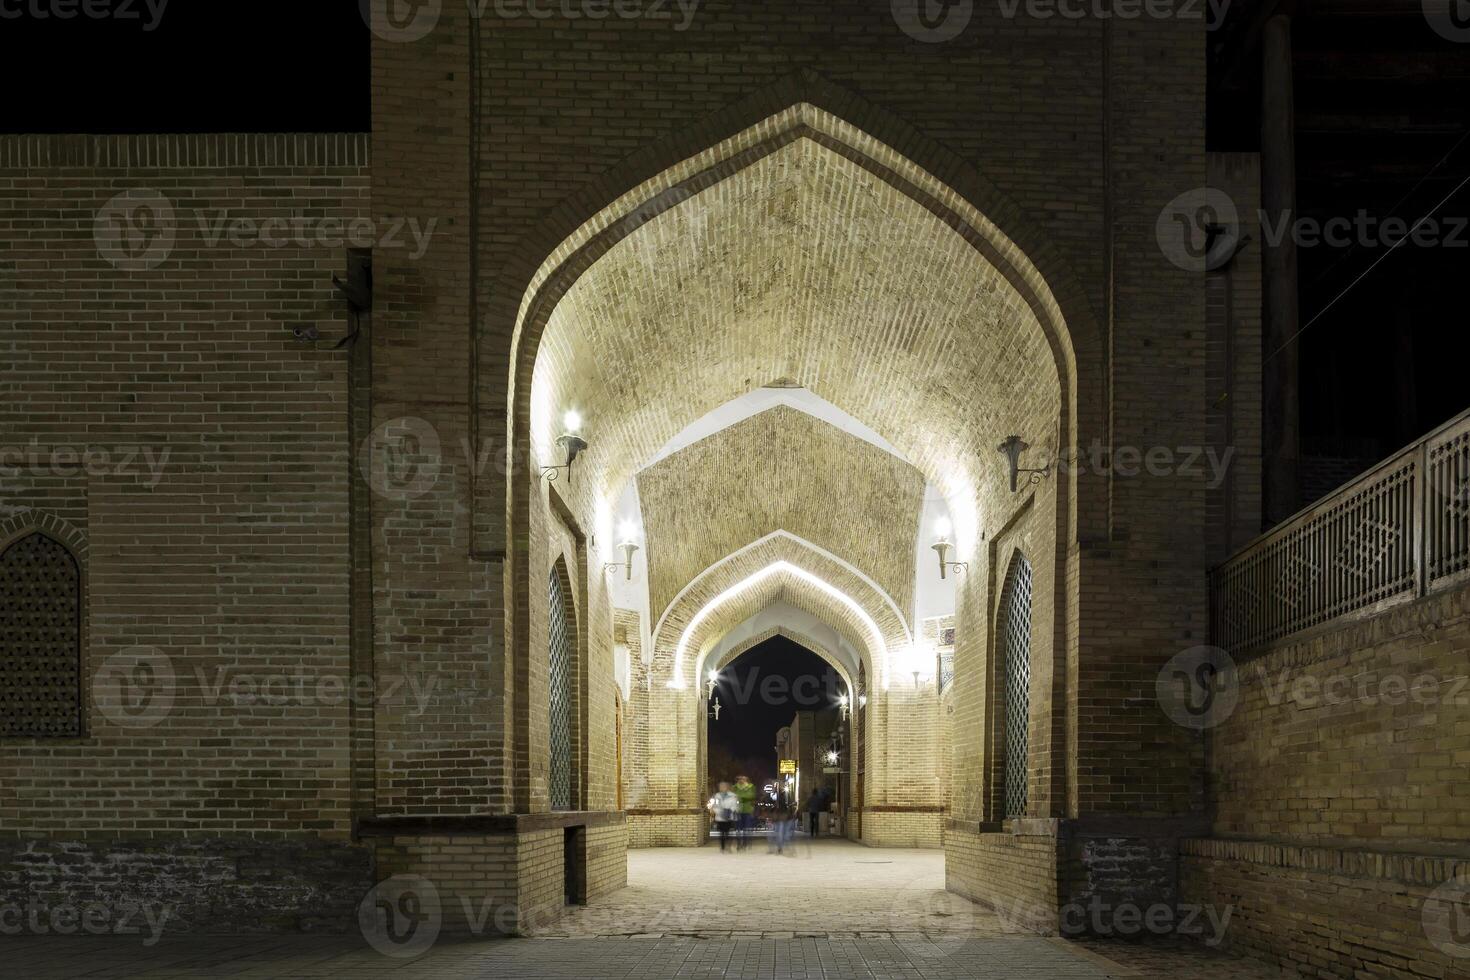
{"x": 745, "y": 792}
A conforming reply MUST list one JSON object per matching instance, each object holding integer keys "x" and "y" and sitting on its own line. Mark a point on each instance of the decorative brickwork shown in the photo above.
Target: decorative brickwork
{"x": 40, "y": 639}
{"x": 761, "y": 469}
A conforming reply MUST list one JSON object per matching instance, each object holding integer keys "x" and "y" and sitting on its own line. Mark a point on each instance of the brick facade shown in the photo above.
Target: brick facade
{"x": 642, "y": 224}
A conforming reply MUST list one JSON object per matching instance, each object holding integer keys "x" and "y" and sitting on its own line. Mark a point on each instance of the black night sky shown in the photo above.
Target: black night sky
{"x": 746, "y": 731}
{"x": 182, "y": 66}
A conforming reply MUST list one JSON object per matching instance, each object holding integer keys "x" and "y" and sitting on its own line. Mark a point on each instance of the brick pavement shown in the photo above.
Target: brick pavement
{"x": 832, "y": 909}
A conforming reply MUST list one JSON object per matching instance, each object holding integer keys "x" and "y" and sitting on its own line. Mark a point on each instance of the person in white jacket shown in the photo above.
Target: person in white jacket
{"x": 724, "y": 806}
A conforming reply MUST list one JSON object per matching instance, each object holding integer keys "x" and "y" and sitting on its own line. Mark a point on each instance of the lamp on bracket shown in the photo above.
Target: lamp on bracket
{"x": 629, "y": 534}
{"x": 572, "y": 445}
{"x": 1012, "y": 449}
{"x": 942, "y": 545}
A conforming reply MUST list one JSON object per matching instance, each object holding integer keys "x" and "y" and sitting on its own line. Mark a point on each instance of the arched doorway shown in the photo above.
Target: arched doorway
{"x": 803, "y": 254}
{"x": 775, "y": 713}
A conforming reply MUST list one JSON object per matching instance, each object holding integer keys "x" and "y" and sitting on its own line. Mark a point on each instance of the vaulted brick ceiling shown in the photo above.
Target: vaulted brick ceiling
{"x": 780, "y": 470}
{"x": 807, "y": 267}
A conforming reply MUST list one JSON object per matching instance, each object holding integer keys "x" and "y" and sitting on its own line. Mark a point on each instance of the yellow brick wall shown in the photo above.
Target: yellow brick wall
{"x": 228, "y": 562}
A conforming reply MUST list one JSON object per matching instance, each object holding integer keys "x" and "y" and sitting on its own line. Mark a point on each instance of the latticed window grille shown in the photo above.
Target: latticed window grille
{"x": 40, "y": 639}
{"x": 560, "y": 685}
{"x": 1014, "y": 636}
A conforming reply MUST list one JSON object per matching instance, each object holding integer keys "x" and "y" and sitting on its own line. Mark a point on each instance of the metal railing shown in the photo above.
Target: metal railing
{"x": 1395, "y": 533}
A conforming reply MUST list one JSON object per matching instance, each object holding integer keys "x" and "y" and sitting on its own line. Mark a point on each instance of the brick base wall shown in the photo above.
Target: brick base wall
{"x": 1015, "y": 875}
{"x": 1322, "y": 911}
{"x": 506, "y": 883}
{"x": 666, "y": 829}
{"x": 897, "y": 828}
{"x": 607, "y": 860}
{"x": 188, "y": 885}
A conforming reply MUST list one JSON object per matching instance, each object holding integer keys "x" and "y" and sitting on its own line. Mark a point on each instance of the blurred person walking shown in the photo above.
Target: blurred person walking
{"x": 783, "y": 828}
{"x": 815, "y": 804}
{"x": 724, "y": 806}
{"x": 745, "y": 793}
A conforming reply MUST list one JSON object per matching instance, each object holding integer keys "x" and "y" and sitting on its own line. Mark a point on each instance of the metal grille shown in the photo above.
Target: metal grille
{"x": 560, "y": 685}
{"x": 944, "y": 642}
{"x": 1392, "y": 534}
{"x": 40, "y": 639}
{"x": 1015, "y": 650}
{"x": 1447, "y": 536}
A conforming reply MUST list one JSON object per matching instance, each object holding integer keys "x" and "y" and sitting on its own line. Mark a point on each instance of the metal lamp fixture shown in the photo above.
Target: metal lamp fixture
{"x": 941, "y": 546}
{"x": 629, "y": 546}
{"x": 572, "y": 444}
{"x": 1012, "y": 449}
{"x": 714, "y": 679}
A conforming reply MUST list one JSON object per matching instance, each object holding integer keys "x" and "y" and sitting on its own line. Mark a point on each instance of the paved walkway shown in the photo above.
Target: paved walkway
{"x": 830, "y": 910}
{"x": 827, "y": 887}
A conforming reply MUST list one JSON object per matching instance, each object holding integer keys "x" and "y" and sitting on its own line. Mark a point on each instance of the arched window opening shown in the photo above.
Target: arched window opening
{"x": 1014, "y": 641}
{"x": 559, "y": 684}
{"x": 40, "y": 639}
{"x": 860, "y": 738}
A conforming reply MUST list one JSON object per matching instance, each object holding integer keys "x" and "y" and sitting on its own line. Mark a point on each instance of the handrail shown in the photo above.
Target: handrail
{"x": 1393, "y": 533}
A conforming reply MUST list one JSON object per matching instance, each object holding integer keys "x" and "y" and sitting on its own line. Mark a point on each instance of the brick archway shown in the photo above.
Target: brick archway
{"x": 964, "y": 343}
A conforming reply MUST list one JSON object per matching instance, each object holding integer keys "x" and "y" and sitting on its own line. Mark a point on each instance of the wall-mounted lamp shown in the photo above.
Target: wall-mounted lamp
{"x": 842, "y": 705}
{"x": 1012, "y": 448}
{"x": 941, "y": 546}
{"x": 714, "y": 679}
{"x": 862, "y": 700}
{"x": 572, "y": 444}
{"x": 630, "y": 547}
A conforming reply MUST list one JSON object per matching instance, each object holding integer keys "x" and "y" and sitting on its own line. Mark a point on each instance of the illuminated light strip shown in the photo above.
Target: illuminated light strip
{"x": 804, "y": 543}
{"x": 757, "y": 578}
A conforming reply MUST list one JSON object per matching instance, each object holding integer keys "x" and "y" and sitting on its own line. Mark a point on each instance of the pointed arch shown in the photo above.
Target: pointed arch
{"x": 804, "y": 639}
{"x": 41, "y": 632}
{"x": 561, "y": 686}
{"x": 1013, "y": 651}
{"x": 861, "y": 143}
